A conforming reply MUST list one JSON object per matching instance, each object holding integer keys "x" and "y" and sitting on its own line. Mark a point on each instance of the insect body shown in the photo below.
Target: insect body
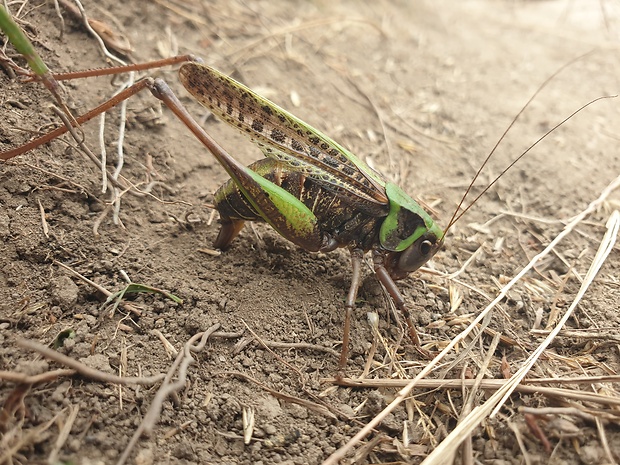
{"x": 313, "y": 191}
{"x": 310, "y": 189}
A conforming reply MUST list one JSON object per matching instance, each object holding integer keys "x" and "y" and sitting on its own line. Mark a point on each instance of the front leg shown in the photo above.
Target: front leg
{"x": 390, "y": 285}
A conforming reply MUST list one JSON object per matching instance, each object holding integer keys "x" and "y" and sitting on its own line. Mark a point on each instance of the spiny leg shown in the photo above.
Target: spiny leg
{"x": 104, "y": 106}
{"x": 356, "y": 264}
{"x": 137, "y": 87}
{"x": 399, "y": 301}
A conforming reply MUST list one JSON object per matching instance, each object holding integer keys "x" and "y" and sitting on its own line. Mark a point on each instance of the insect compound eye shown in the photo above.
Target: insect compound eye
{"x": 426, "y": 247}
{"x": 418, "y": 253}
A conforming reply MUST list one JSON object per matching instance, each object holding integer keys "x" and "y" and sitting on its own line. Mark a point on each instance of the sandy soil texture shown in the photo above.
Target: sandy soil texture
{"x": 420, "y": 90}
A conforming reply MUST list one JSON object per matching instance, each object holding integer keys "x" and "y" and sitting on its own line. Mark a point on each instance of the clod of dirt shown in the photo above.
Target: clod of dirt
{"x": 5, "y": 222}
{"x": 98, "y": 362}
{"x": 145, "y": 457}
{"x": 32, "y": 367}
{"x": 65, "y": 292}
{"x": 591, "y": 454}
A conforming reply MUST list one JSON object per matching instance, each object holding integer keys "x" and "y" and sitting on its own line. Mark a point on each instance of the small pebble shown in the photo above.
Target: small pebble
{"x": 64, "y": 292}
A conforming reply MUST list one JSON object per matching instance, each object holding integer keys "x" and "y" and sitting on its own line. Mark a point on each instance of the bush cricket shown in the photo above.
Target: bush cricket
{"x": 310, "y": 189}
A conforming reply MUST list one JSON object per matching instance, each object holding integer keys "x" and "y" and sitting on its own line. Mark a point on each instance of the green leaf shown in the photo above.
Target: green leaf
{"x": 59, "y": 341}
{"x": 134, "y": 288}
{"x": 23, "y": 45}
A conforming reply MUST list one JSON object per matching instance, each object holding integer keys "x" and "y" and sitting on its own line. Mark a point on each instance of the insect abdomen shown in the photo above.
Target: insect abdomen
{"x": 337, "y": 218}
{"x": 230, "y": 201}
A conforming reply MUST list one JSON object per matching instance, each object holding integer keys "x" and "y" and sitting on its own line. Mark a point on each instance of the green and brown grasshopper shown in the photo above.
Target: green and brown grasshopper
{"x": 310, "y": 189}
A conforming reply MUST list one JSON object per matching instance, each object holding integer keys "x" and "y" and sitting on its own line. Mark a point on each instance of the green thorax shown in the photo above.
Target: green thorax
{"x": 406, "y": 222}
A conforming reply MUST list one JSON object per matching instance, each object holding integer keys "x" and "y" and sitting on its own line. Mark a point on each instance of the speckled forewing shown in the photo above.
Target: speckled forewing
{"x": 284, "y": 137}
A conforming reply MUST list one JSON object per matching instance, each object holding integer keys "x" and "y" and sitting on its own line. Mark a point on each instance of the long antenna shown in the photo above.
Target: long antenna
{"x": 454, "y": 217}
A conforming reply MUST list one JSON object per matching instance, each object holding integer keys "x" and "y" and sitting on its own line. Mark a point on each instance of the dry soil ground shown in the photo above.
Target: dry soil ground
{"x": 422, "y": 91}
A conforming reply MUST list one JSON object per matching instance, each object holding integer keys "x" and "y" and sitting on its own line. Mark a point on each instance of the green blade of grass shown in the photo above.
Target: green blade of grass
{"x": 134, "y": 288}
{"x": 23, "y": 45}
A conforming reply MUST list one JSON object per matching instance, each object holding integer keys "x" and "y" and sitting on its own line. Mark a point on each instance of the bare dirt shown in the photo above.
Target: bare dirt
{"x": 422, "y": 91}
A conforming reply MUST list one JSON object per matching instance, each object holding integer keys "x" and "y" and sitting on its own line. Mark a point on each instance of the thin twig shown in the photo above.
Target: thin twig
{"x": 43, "y": 220}
{"x": 64, "y": 434}
{"x": 467, "y": 449}
{"x": 22, "y": 378}
{"x": 486, "y": 384}
{"x": 84, "y": 148}
{"x": 313, "y": 406}
{"x": 127, "y": 306}
{"x": 97, "y": 37}
{"x": 83, "y": 369}
{"x": 182, "y": 362}
{"x": 604, "y": 442}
